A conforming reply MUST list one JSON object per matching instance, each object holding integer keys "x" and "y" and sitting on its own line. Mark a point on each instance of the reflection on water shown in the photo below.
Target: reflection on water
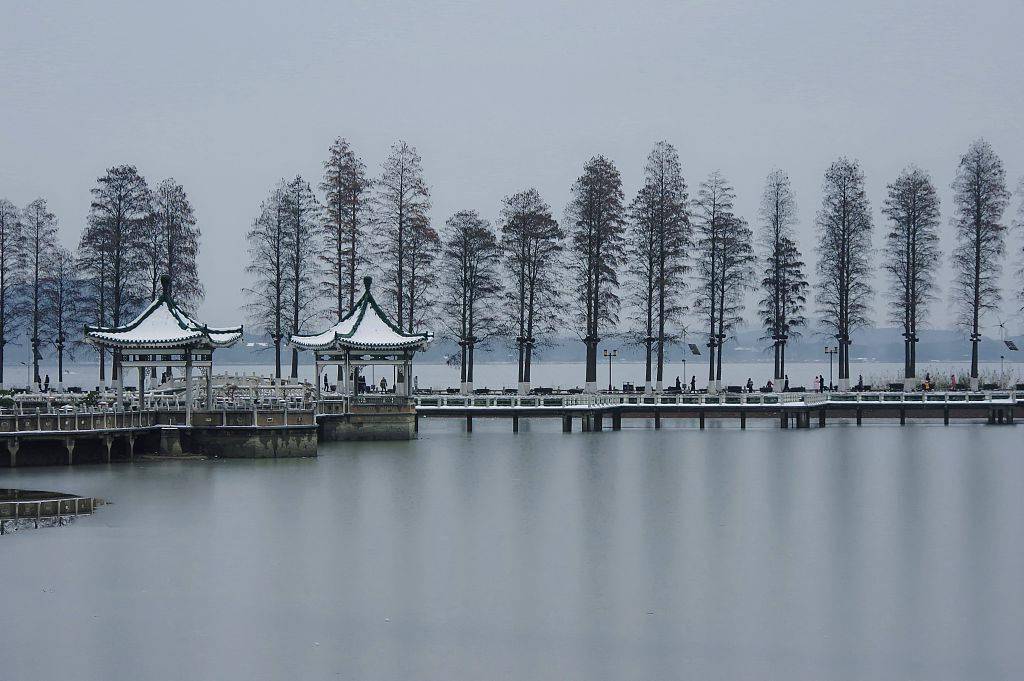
{"x": 840, "y": 553}
{"x": 22, "y": 509}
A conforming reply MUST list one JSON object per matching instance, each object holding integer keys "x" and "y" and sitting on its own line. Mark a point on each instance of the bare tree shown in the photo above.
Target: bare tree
{"x": 401, "y": 204}
{"x": 844, "y": 250}
{"x": 302, "y": 266}
{"x": 531, "y": 245}
{"x": 112, "y": 258}
{"x": 62, "y": 307}
{"x": 422, "y": 246}
{"x": 912, "y": 206}
{"x": 979, "y": 197}
{"x": 174, "y": 243}
{"x": 724, "y": 266}
{"x": 346, "y": 216}
{"x": 268, "y": 256}
{"x": 1018, "y": 223}
{"x": 784, "y": 287}
{"x": 657, "y": 247}
{"x": 597, "y": 236}
{"x": 38, "y": 243}
{"x": 10, "y": 274}
{"x": 472, "y": 287}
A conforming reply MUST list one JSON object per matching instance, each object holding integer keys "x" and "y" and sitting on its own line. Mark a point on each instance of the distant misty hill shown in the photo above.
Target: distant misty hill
{"x": 879, "y": 345}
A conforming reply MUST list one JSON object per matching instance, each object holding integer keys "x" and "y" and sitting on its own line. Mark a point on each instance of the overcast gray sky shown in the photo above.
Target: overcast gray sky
{"x": 227, "y": 97}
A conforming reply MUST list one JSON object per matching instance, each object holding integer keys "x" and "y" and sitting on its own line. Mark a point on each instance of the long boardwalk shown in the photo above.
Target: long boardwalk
{"x": 788, "y": 409}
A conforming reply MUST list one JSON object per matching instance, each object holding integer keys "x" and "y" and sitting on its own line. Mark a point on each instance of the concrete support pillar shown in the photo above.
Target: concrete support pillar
{"x": 12, "y": 449}
{"x": 991, "y": 416}
{"x": 784, "y": 420}
{"x": 743, "y": 420}
{"x": 821, "y": 418}
{"x": 657, "y": 419}
{"x": 131, "y": 448}
{"x": 566, "y": 424}
{"x": 702, "y": 419}
{"x": 515, "y": 424}
{"x": 469, "y": 424}
{"x": 945, "y": 416}
{"x": 860, "y": 416}
{"x": 109, "y": 442}
{"x": 616, "y": 421}
{"x": 69, "y": 443}
{"x": 803, "y": 419}
{"x": 1009, "y": 415}
{"x": 416, "y": 423}
{"x": 903, "y": 416}
{"x": 598, "y": 422}
{"x": 586, "y": 424}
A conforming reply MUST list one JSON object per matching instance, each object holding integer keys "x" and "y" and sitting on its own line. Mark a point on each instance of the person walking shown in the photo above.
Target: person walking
{"x": 679, "y": 384}
{"x": 785, "y": 386}
{"x": 817, "y": 384}
{"x": 750, "y": 384}
{"x": 952, "y": 381}
{"x": 383, "y": 384}
{"x": 693, "y": 383}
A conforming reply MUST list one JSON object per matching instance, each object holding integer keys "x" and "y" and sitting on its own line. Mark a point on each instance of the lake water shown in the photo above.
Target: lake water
{"x": 877, "y": 552}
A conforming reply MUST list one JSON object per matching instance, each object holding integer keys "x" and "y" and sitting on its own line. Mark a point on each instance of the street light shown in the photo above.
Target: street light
{"x": 609, "y": 354}
{"x": 830, "y": 350}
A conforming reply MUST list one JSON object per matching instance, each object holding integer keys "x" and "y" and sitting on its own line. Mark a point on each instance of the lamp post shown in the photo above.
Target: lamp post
{"x": 609, "y": 354}
{"x": 830, "y": 350}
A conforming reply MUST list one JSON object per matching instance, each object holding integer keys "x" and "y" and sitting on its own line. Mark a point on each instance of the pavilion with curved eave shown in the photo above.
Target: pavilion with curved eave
{"x": 363, "y": 337}
{"x": 163, "y": 335}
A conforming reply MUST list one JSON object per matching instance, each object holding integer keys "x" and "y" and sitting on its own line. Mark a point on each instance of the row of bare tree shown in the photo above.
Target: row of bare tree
{"x": 663, "y": 257}
{"x": 133, "y": 235}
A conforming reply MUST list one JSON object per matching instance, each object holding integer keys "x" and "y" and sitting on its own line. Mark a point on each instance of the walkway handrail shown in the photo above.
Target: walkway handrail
{"x": 724, "y": 399}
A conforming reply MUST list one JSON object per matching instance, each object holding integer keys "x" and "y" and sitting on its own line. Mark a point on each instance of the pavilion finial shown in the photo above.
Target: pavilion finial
{"x": 165, "y": 283}
{"x": 367, "y": 282}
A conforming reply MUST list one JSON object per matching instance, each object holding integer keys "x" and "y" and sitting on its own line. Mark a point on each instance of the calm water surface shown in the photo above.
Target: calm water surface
{"x": 843, "y": 553}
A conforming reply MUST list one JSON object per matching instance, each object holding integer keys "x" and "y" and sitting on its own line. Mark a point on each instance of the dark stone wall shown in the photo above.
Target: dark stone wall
{"x": 250, "y": 443}
{"x": 379, "y": 426}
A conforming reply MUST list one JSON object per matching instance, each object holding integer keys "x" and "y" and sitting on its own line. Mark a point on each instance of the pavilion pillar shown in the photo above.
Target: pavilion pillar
{"x": 120, "y": 380}
{"x": 316, "y": 366}
{"x": 142, "y": 388}
{"x": 347, "y": 385}
{"x": 209, "y": 385}
{"x": 188, "y": 386}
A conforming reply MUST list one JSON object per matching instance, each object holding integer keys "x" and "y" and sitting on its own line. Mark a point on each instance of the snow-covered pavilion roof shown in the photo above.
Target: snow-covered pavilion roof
{"x": 163, "y": 325}
{"x": 365, "y": 327}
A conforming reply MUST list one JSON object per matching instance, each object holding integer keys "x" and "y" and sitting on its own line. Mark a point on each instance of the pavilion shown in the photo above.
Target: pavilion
{"x": 163, "y": 335}
{"x": 363, "y": 337}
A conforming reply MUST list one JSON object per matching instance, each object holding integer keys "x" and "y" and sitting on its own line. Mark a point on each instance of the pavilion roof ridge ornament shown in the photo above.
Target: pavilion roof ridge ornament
{"x": 163, "y": 324}
{"x": 366, "y": 326}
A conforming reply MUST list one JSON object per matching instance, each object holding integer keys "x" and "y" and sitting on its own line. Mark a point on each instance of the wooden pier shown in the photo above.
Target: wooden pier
{"x": 596, "y": 412}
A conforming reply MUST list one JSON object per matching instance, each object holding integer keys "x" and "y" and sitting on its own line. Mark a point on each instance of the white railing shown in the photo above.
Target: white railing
{"x": 720, "y": 400}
